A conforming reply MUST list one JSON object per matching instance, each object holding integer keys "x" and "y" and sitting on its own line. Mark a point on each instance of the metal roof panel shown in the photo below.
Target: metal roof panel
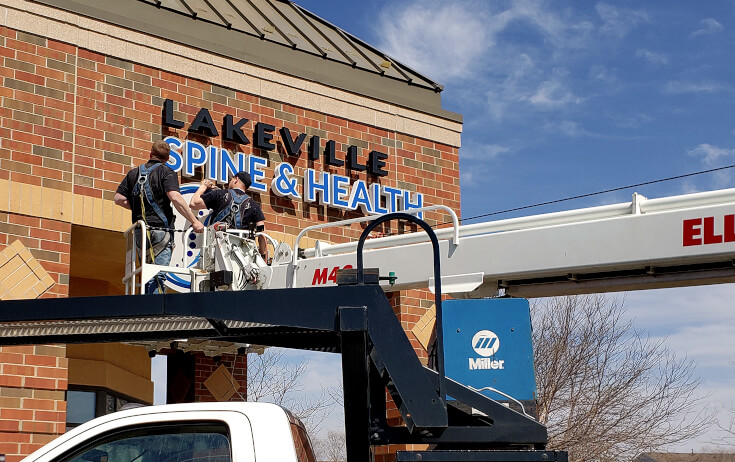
{"x": 294, "y": 29}
{"x": 233, "y": 17}
{"x": 278, "y": 35}
{"x": 201, "y": 10}
{"x": 311, "y": 32}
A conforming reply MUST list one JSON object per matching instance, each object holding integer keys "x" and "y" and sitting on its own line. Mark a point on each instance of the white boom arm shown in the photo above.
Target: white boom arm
{"x": 646, "y": 243}
{"x": 642, "y": 244}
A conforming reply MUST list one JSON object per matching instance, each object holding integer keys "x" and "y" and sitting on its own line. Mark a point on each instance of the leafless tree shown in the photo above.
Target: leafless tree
{"x": 273, "y": 379}
{"x": 606, "y": 390}
{"x": 727, "y": 442}
{"x": 331, "y": 448}
{"x": 726, "y": 425}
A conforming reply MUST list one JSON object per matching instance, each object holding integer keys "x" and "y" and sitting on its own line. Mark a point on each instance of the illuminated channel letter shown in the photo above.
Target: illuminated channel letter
{"x": 360, "y": 197}
{"x": 195, "y": 155}
{"x": 175, "y": 161}
{"x": 339, "y": 191}
{"x": 227, "y": 165}
{"x": 312, "y": 186}
{"x": 376, "y": 197}
{"x": 394, "y": 196}
{"x": 255, "y": 169}
{"x": 416, "y": 204}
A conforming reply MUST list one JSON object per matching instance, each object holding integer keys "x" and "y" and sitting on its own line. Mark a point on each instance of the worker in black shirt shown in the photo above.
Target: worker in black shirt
{"x": 153, "y": 187}
{"x": 232, "y": 206}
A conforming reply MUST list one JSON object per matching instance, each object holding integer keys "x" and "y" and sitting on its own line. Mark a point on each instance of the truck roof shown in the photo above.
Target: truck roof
{"x": 267, "y": 421}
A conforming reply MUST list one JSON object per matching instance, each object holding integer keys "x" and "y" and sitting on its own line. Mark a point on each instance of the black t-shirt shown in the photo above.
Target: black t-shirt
{"x": 162, "y": 180}
{"x": 218, "y": 199}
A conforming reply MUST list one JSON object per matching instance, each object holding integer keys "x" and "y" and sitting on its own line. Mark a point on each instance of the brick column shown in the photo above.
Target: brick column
{"x": 32, "y": 398}
{"x": 205, "y": 366}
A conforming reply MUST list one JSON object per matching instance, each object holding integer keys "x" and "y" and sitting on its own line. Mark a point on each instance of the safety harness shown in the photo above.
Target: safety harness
{"x": 143, "y": 190}
{"x": 233, "y": 209}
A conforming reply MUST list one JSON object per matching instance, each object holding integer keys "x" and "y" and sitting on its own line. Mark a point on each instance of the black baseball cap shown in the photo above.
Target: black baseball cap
{"x": 245, "y": 178}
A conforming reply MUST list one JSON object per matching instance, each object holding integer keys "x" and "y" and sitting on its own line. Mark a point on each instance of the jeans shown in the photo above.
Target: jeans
{"x": 155, "y": 285}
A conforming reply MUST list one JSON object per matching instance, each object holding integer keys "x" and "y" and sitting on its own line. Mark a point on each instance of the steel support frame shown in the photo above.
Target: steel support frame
{"x": 357, "y": 321}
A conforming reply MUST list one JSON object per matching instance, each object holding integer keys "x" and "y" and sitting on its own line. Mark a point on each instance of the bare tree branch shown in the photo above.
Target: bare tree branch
{"x": 331, "y": 448}
{"x": 274, "y": 380}
{"x": 606, "y": 391}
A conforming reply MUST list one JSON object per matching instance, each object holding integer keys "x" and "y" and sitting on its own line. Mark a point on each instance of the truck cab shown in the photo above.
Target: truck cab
{"x": 205, "y": 432}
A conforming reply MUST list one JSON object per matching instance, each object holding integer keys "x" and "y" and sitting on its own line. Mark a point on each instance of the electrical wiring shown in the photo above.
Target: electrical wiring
{"x": 596, "y": 193}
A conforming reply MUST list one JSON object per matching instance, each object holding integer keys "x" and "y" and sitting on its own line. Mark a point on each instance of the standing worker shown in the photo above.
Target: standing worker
{"x": 148, "y": 191}
{"x": 232, "y": 206}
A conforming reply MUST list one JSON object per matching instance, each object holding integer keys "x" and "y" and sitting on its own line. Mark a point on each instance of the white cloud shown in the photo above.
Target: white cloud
{"x": 652, "y": 57}
{"x": 566, "y": 127}
{"x": 679, "y": 87}
{"x": 472, "y": 43}
{"x": 697, "y": 322}
{"x": 522, "y": 87}
{"x": 470, "y": 177}
{"x": 619, "y": 22}
{"x": 633, "y": 121}
{"x": 473, "y": 161}
{"x": 443, "y": 40}
{"x": 511, "y": 90}
{"x": 547, "y": 21}
{"x": 600, "y": 72}
{"x": 711, "y": 155}
{"x": 460, "y": 39}
{"x": 482, "y": 152}
{"x": 553, "y": 93}
{"x": 707, "y": 26}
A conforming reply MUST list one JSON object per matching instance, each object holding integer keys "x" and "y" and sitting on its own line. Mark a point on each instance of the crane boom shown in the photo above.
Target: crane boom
{"x": 645, "y": 243}
{"x": 641, "y": 244}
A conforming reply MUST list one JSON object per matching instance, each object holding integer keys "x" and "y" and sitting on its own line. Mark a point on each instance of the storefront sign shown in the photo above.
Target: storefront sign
{"x": 330, "y": 189}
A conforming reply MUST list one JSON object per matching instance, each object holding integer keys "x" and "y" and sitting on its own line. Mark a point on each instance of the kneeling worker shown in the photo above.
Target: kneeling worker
{"x": 232, "y": 206}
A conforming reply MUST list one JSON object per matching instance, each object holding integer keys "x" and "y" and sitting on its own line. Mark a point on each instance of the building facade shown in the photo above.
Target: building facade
{"x": 329, "y": 128}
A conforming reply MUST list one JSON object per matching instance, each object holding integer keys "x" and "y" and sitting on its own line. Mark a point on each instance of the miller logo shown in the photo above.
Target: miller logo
{"x": 485, "y": 343}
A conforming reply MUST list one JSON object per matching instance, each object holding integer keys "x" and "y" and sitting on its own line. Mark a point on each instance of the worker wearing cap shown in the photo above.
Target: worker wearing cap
{"x": 232, "y": 206}
{"x": 148, "y": 191}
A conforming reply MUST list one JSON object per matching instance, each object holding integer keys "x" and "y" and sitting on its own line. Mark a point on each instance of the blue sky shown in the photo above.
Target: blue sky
{"x": 566, "y": 98}
{"x": 569, "y": 98}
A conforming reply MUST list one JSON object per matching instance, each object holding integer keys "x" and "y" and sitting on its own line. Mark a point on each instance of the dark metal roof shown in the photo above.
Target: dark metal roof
{"x": 278, "y": 35}
{"x": 288, "y": 24}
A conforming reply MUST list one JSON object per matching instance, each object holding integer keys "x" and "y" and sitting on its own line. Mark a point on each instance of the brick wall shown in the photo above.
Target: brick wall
{"x": 204, "y": 367}
{"x": 33, "y": 382}
{"x": 74, "y": 121}
{"x": 37, "y": 128}
{"x": 77, "y": 120}
{"x": 49, "y": 242}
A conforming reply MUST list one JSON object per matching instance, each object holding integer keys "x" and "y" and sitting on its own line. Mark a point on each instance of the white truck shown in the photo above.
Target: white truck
{"x": 202, "y": 432}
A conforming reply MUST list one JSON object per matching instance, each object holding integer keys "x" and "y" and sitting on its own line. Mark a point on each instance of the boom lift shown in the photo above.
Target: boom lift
{"x": 642, "y": 244}
{"x": 355, "y": 320}
{"x": 683, "y": 240}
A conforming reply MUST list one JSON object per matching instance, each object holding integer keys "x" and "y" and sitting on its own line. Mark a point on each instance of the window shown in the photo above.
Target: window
{"x": 80, "y": 406}
{"x": 179, "y": 443}
{"x": 83, "y": 405}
